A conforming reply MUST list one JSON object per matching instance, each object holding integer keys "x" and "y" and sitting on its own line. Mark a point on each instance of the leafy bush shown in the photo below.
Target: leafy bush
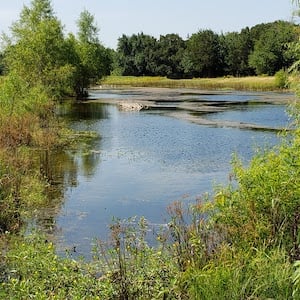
{"x": 35, "y": 271}
{"x": 281, "y": 79}
{"x": 264, "y": 210}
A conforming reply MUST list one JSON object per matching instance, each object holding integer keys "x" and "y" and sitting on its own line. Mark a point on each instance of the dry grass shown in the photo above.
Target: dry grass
{"x": 266, "y": 83}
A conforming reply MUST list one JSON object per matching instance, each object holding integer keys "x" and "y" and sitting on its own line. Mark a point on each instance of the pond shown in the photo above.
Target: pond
{"x": 144, "y": 160}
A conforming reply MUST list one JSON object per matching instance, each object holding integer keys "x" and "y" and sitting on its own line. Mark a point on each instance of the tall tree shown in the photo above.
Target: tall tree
{"x": 203, "y": 55}
{"x": 237, "y": 48}
{"x": 169, "y": 56}
{"x": 92, "y": 60}
{"x": 36, "y": 49}
{"x": 136, "y": 54}
{"x": 271, "y": 52}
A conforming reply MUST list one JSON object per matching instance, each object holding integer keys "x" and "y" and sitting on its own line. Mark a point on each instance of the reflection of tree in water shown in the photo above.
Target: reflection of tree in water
{"x": 79, "y": 111}
{"x": 89, "y": 163}
{"x": 61, "y": 168}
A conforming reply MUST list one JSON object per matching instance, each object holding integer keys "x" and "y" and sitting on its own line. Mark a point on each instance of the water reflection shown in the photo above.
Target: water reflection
{"x": 81, "y": 111}
{"x": 61, "y": 170}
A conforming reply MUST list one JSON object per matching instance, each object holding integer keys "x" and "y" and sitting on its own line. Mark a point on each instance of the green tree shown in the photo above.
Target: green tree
{"x": 202, "y": 57}
{"x": 92, "y": 60}
{"x": 237, "y": 47}
{"x": 136, "y": 54}
{"x": 271, "y": 52}
{"x": 169, "y": 56}
{"x": 36, "y": 49}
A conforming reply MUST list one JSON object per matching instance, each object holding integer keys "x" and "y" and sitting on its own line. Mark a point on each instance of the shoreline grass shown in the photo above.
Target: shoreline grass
{"x": 253, "y": 83}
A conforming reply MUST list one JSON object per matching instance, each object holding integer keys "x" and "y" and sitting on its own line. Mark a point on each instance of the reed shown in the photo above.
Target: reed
{"x": 264, "y": 83}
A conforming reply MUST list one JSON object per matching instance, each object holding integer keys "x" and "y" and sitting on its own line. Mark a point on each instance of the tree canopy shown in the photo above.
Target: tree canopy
{"x": 91, "y": 59}
{"x": 262, "y": 49}
{"x": 38, "y": 51}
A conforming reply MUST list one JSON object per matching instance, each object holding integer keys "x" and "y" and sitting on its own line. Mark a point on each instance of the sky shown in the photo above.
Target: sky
{"x": 158, "y": 17}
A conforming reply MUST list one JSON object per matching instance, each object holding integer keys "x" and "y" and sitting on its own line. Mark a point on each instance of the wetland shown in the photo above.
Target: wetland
{"x": 177, "y": 145}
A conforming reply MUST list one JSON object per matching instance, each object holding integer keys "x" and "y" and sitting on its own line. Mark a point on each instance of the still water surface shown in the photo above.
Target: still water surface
{"x": 145, "y": 160}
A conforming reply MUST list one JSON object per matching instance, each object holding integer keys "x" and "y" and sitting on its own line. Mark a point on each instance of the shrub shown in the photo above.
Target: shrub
{"x": 281, "y": 79}
{"x": 34, "y": 271}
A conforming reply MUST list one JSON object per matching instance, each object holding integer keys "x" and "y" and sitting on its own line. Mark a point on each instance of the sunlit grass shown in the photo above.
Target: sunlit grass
{"x": 265, "y": 83}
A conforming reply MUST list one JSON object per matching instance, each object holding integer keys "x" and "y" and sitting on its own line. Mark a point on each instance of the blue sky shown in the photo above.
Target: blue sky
{"x": 155, "y": 17}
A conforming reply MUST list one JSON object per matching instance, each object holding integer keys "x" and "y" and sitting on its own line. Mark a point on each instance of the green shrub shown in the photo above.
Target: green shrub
{"x": 34, "y": 271}
{"x": 281, "y": 79}
{"x": 264, "y": 209}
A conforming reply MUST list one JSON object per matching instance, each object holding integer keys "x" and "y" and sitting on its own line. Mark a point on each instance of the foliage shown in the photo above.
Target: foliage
{"x": 237, "y": 48}
{"x": 133, "y": 268}
{"x": 265, "y": 208}
{"x": 257, "y": 274}
{"x": 34, "y": 271}
{"x": 40, "y": 54}
{"x": 270, "y": 51}
{"x": 262, "y": 49}
{"x": 203, "y": 56}
{"x": 296, "y": 279}
{"x": 169, "y": 56}
{"x": 281, "y": 79}
{"x": 136, "y": 54}
{"x": 91, "y": 59}
{"x": 2, "y": 67}
{"x": 36, "y": 50}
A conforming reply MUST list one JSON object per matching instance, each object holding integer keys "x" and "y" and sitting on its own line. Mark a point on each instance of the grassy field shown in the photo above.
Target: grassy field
{"x": 266, "y": 83}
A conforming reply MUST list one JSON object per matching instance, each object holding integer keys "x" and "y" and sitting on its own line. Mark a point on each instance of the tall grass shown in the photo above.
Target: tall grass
{"x": 266, "y": 83}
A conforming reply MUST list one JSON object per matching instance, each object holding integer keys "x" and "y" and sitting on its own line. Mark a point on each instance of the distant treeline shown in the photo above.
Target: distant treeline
{"x": 262, "y": 49}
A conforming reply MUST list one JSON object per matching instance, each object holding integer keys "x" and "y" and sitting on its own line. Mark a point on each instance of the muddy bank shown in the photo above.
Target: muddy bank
{"x": 190, "y": 104}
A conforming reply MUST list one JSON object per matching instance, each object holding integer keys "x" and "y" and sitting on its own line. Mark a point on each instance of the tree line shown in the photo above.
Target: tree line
{"x": 262, "y": 49}
{"x": 38, "y": 52}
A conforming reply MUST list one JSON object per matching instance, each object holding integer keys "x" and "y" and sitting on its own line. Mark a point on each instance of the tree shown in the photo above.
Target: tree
{"x": 36, "y": 50}
{"x": 271, "y": 49}
{"x": 91, "y": 59}
{"x": 202, "y": 57}
{"x": 237, "y": 47}
{"x": 136, "y": 54}
{"x": 169, "y": 56}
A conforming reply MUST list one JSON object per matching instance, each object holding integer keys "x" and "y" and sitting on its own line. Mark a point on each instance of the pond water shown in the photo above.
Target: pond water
{"x": 145, "y": 160}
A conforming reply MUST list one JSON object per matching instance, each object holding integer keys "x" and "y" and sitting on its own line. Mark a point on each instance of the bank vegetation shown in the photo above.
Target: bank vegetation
{"x": 251, "y": 83}
{"x": 242, "y": 243}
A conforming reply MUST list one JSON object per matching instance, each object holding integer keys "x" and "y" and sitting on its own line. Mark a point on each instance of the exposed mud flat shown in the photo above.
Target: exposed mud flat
{"x": 190, "y": 104}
